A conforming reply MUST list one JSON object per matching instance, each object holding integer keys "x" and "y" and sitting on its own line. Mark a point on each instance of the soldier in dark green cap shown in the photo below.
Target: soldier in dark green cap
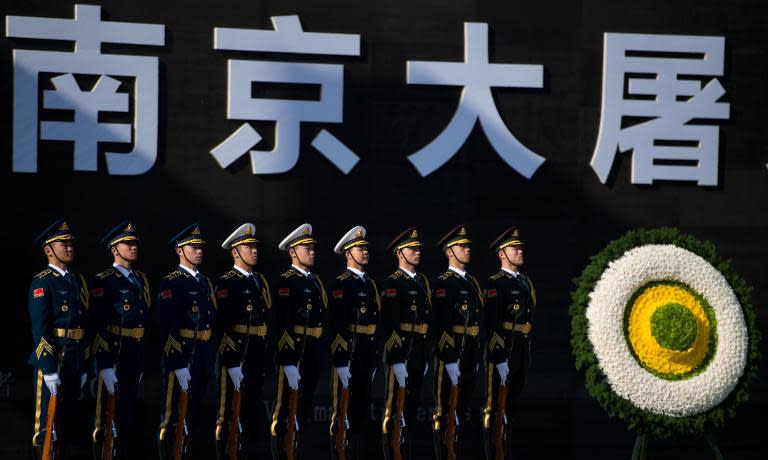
{"x": 120, "y": 302}
{"x": 457, "y": 301}
{"x": 58, "y": 309}
{"x": 186, "y": 309}
{"x": 510, "y": 299}
{"x": 406, "y": 308}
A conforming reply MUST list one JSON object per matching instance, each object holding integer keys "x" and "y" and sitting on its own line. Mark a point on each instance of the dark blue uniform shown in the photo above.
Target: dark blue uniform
{"x": 354, "y": 314}
{"x": 243, "y": 306}
{"x": 58, "y": 309}
{"x": 120, "y": 310}
{"x": 186, "y": 309}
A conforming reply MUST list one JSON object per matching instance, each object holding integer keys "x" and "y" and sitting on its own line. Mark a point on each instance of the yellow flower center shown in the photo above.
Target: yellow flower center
{"x": 662, "y": 361}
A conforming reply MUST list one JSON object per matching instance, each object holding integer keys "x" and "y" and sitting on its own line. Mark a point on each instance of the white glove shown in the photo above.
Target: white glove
{"x": 503, "y": 369}
{"x": 236, "y": 374}
{"x": 109, "y": 378}
{"x": 453, "y": 372}
{"x": 293, "y": 376}
{"x": 344, "y": 375}
{"x": 52, "y": 382}
{"x": 183, "y": 376}
{"x": 400, "y": 373}
{"x": 83, "y": 379}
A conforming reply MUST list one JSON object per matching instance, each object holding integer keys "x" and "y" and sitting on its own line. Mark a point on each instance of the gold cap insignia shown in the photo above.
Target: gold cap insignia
{"x": 64, "y": 227}
{"x": 463, "y": 232}
{"x": 196, "y": 231}
{"x": 359, "y": 233}
{"x": 129, "y": 228}
{"x": 307, "y": 231}
{"x": 248, "y": 231}
{"x": 415, "y": 234}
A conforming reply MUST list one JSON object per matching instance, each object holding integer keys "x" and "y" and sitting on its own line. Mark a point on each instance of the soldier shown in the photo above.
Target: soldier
{"x": 406, "y": 314}
{"x": 354, "y": 316}
{"x": 457, "y": 301}
{"x": 186, "y": 310}
{"x": 58, "y": 309}
{"x": 244, "y": 302}
{"x": 510, "y": 301}
{"x": 120, "y": 300}
{"x": 300, "y": 310}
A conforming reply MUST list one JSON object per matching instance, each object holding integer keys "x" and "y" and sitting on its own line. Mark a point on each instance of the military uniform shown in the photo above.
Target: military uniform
{"x": 186, "y": 311}
{"x": 300, "y": 318}
{"x": 58, "y": 310}
{"x": 509, "y": 305}
{"x": 244, "y": 302}
{"x": 354, "y": 316}
{"x": 406, "y": 314}
{"x": 120, "y": 305}
{"x": 457, "y": 301}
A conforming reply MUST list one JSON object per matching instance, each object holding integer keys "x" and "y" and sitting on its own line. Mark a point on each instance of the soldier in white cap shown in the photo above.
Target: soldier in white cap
{"x": 354, "y": 314}
{"x": 300, "y": 315}
{"x": 244, "y": 301}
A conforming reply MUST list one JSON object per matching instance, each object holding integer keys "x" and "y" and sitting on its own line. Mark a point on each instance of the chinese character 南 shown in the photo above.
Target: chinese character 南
{"x": 288, "y": 37}
{"x": 88, "y": 32}
{"x": 477, "y": 76}
{"x": 656, "y": 81}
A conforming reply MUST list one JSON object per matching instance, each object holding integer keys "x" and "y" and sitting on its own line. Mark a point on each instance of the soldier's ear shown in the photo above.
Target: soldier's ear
{"x": 234, "y": 253}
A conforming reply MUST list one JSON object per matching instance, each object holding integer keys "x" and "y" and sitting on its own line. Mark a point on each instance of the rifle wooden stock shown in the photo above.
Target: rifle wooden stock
{"x": 234, "y": 426}
{"x": 109, "y": 422}
{"x": 50, "y": 423}
{"x": 397, "y": 431}
{"x": 341, "y": 429}
{"x": 450, "y": 428}
{"x": 498, "y": 428}
{"x": 293, "y": 422}
{"x": 178, "y": 439}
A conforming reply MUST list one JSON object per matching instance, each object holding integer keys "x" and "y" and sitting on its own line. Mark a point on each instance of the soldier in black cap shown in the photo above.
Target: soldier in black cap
{"x": 120, "y": 304}
{"x": 244, "y": 302}
{"x": 186, "y": 309}
{"x": 406, "y": 314}
{"x": 354, "y": 316}
{"x": 457, "y": 301}
{"x": 300, "y": 316}
{"x": 509, "y": 303}
{"x": 58, "y": 309}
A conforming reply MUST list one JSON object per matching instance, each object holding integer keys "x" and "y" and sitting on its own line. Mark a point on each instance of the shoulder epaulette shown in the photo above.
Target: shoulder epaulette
{"x": 228, "y": 275}
{"x": 343, "y": 276}
{"x": 173, "y": 275}
{"x": 496, "y": 276}
{"x": 141, "y": 273}
{"x": 289, "y": 273}
{"x": 105, "y": 273}
{"x": 44, "y": 273}
{"x": 472, "y": 277}
{"x": 395, "y": 275}
{"x": 446, "y": 275}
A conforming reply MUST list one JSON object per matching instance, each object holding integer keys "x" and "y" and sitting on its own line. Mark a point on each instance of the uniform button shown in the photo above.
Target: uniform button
{"x": 195, "y": 309}
{"x": 319, "y": 324}
{"x": 309, "y": 306}
{"x": 363, "y": 310}
{"x": 64, "y": 308}
{"x": 249, "y": 307}
{"x": 239, "y": 341}
{"x": 464, "y": 307}
{"x": 126, "y": 307}
{"x": 140, "y": 325}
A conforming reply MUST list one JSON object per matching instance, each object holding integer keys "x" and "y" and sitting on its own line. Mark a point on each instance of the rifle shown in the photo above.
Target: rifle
{"x": 53, "y": 400}
{"x": 343, "y": 421}
{"x": 179, "y": 438}
{"x": 453, "y": 400}
{"x": 110, "y": 431}
{"x": 290, "y": 441}
{"x": 501, "y": 421}
{"x": 397, "y": 431}
{"x": 234, "y": 422}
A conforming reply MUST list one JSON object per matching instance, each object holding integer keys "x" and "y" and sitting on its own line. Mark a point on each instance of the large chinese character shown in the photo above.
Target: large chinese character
{"x": 642, "y": 80}
{"x": 88, "y": 32}
{"x": 288, "y": 37}
{"x": 477, "y": 76}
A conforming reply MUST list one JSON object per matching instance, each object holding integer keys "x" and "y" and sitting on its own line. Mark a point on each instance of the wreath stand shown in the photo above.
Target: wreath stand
{"x": 641, "y": 446}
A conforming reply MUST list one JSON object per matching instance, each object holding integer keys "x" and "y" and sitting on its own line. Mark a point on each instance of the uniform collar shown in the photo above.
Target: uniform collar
{"x": 510, "y": 272}
{"x": 59, "y": 270}
{"x": 407, "y": 272}
{"x": 245, "y": 273}
{"x": 126, "y": 273}
{"x": 356, "y": 272}
{"x": 303, "y": 272}
{"x": 459, "y": 271}
{"x": 190, "y": 271}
